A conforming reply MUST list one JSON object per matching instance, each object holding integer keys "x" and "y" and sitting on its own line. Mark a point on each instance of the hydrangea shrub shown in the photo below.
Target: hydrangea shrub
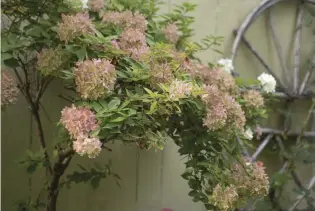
{"x": 137, "y": 80}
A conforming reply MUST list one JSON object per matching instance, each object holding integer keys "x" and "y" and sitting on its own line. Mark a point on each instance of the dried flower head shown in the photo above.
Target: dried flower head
{"x": 236, "y": 115}
{"x": 179, "y": 89}
{"x": 126, "y": 20}
{"x": 160, "y": 73}
{"x": 133, "y": 41}
{"x": 253, "y": 99}
{"x": 223, "y": 110}
{"x": 252, "y": 180}
{"x": 9, "y": 90}
{"x": 95, "y": 78}
{"x": 171, "y": 32}
{"x": 223, "y": 80}
{"x": 224, "y": 198}
{"x": 96, "y": 5}
{"x": 113, "y": 18}
{"x": 216, "y": 117}
{"x": 73, "y": 26}
{"x": 78, "y": 121}
{"x": 88, "y": 146}
{"x": 50, "y": 61}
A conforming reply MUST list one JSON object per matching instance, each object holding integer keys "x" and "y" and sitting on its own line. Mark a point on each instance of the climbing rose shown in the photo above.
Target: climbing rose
{"x": 78, "y": 121}
{"x": 84, "y": 4}
{"x": 224, "y": 198}
{"x": 96, "y": 5}
{"x": 179, "y": 89}
{"x": 88, "y": 146}
{"x": 9, "y": 90}
{"x": 248, "y": 134}
{"x": 226, "y": 65}
{"x": 73, "y": 26}
{"x": 253, "y": 98}
{"x": 50, "y": 61}
{"x": 95, "y": 78}
{"x": 268, "y": 82}
{"x": 171, "y": 32}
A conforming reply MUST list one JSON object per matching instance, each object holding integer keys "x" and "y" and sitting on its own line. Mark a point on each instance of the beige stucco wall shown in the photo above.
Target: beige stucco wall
{"x": 150, "y": 180}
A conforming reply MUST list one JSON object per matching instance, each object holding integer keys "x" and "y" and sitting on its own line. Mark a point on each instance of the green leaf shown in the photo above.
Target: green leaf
{"x": 32, "y": 168}
{"x": 81, "y": 54}
{"x": 95, "y": 182}
{"x": 118, "y": 119}
{"x": 152, "y": 107}
{"x": 6, "y": 56}
{"x": 124, "y": 104}
{"x": 114, "y": 104}
{"x": 12, "y": 63}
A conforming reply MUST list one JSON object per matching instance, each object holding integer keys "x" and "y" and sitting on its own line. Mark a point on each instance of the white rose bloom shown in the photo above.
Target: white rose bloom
{"x": 226, "y": 64}
{"x": 268, "y": 82}
{"x": 248, "y": 134}
{"x": 84, "y": 4}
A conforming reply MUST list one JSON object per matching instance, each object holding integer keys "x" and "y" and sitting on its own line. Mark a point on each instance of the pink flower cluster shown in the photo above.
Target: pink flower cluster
{"x": 9, "y": 89}
{"x": 252, "y": 180}
{"x": 96, "y": 5}
{"x": 171, "y": 32}
{"x": 95, "y": 78}
{"x": 73, "y": 26}
{"x": 79, "y": 122}
{"x": 247, "y": 180}
{"x": 126, "y": 19}
{"x": 132, "y": 39}
{"x": 223, "y": 110}
{"x": 253, "y": 99}
{"x": 90, "y": 146}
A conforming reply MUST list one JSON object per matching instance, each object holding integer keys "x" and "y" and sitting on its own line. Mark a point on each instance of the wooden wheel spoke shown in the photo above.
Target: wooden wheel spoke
{"x": 261, "y": 60}
{"x": 307, "y": 76}
{"x": 297, "y": 47}
{"x": 261, "y": 147}
{"x": 278, "y": 48}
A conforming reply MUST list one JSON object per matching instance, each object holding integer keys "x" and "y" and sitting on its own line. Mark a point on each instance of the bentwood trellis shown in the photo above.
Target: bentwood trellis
{"x": 291, "y": 88}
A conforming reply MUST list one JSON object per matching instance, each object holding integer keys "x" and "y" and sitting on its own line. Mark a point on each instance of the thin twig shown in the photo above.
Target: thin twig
{"x": 298, "y": 141}
{"x": 307, "y": 76}
{"x": 297, "y": 47}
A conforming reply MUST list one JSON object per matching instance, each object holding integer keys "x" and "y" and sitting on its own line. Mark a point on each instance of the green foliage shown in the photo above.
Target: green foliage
{"x": 32, "y": 161}
{"x": 93, "y": 175}
{"x": 140, "y": 108}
